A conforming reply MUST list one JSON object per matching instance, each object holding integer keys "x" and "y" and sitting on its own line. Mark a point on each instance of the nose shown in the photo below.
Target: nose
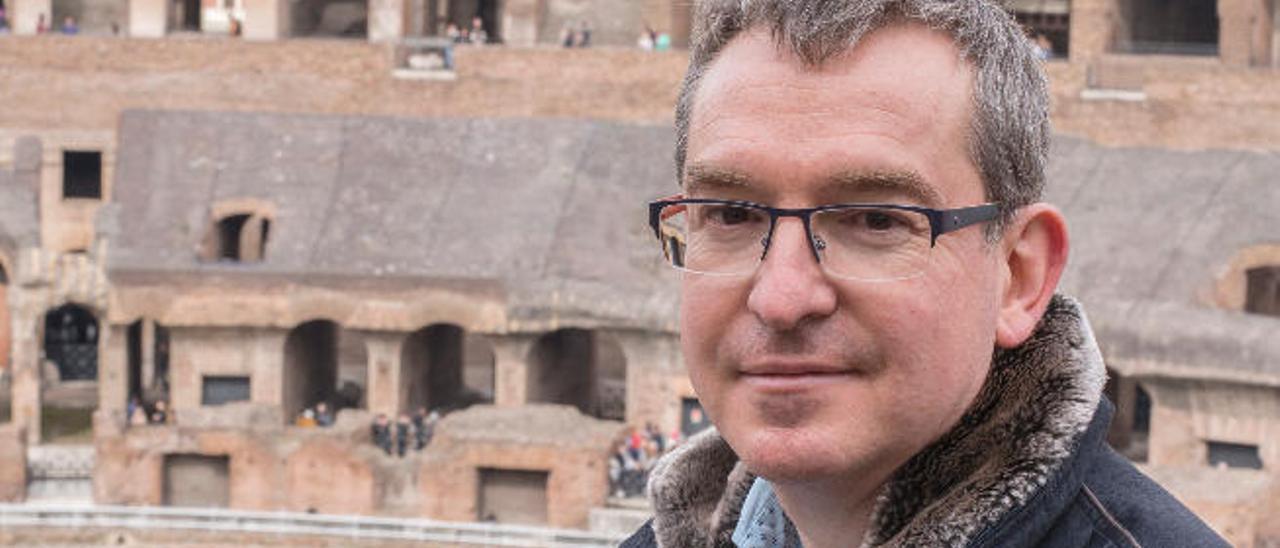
{"x": 790, "y": 286}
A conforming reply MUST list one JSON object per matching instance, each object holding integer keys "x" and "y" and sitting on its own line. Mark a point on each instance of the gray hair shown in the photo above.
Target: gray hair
{"x": 1009, "y": 140}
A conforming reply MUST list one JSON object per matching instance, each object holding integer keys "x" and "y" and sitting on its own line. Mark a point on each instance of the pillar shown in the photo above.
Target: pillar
{"x": 265, "y": 20}
{"x": 520, "y": 22}
{"x": 383, "y": 393}
{"x": 148, "y": 18}
{"x": 26, "y": 375}
{"x": 1235, "y": 32}
{"x": 147, "y": 342}
{"x": 387, "y": 20}
{"x": 113, "y": 368}
{"x": 511, "y": 367}
{"x": 24, "y": 15}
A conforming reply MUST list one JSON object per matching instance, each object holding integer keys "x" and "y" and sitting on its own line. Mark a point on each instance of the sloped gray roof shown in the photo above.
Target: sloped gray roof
{"x": 1156, "y": 225}
{"x": 554, "y": 209}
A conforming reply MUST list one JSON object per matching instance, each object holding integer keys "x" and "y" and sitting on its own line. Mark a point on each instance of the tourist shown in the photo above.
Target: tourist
{"x": 69, "y": 26}
{"x": 403, "y": 425}
{"x": 876, "y": 336}
{"x": 381, "y": 431}
{"x": 324, "y": 418}
{"x": 478, "y": 35}
{"x": 160, "y": 413}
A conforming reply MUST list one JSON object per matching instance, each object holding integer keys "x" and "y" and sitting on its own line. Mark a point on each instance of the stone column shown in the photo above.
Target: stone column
{"x": 520, "y": 22}
{"x": 147, "y": 342}
{"x": 511, "y": 368}
{"x": 26, "y": 374}
{"x": 265, "y": 20}
{"x": 24, "y": 15}
{"x": 1235, "y": 33}
{"x": 1173, "y": 440}
{"x": 113, "y": 368}
{"x": 148, "y": 18}
{"x": 384, "y": 393}
{"x": 1092, "y": 25}
{"x": 387, "y": 20}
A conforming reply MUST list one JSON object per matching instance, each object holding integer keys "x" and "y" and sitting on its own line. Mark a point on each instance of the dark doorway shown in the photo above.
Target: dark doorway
{"x": 147, "y": 359}
{"x": 461, "y": 13}
{"x": 323, "y": 363}
{"x": 582, "y": 368}
{"x": 197, "y": 481}
{"x": 71, "y": 342}
{"x": 513, "y": 496}
{"x": 186, "y": 15}
{"x": 443, "y": 367}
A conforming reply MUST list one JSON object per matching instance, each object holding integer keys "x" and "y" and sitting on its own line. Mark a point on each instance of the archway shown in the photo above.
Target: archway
{"x": 1131, "y": 424}
{"x": 147, "y": 362}
{"x": 71, "y": 342}
{"x": 323, "y": 363}
{"x": 581, "y": 368}
{"x": 442, "y": 367}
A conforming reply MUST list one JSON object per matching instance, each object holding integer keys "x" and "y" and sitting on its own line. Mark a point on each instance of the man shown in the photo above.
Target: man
{"x": 868, "y": 310}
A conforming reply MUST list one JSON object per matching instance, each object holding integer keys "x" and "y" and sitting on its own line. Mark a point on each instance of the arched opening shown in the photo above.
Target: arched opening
{"x": 463, "y": 12}
{"x": 323, "y": 363}
{"x": 442, "y": 367}
{"x": 240, "y": 237}
{"x": 1131, "y": 424}
{"x": 70, "y": 344}
{"x": 147, "y": 362}
{"x": 330, "y": 18}
{"x": 581, "y": 368}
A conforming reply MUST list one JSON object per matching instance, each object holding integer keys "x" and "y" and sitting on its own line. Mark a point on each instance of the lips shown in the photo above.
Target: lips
{"x": 792, "y": 368}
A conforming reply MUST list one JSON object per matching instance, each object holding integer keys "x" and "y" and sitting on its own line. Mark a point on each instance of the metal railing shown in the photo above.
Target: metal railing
{"x": 284, "y": 523}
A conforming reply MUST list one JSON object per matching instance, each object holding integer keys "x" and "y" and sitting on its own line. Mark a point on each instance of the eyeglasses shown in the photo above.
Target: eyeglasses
{"x": 866, "y": 242}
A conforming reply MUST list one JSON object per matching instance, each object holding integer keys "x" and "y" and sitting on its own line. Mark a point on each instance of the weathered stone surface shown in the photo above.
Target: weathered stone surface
{"x": 13, "y": 463}
{"x": 571, "y": 447}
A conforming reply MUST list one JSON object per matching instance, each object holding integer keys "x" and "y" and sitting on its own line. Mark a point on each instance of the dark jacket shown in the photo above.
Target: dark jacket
{"x": 1028, "y": 465}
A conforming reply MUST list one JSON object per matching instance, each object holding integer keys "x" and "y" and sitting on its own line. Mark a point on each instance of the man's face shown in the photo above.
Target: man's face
{"x": 811, "y": 377}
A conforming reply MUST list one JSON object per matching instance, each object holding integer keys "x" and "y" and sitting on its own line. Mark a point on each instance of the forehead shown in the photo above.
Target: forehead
{"x": 896, "y": 107}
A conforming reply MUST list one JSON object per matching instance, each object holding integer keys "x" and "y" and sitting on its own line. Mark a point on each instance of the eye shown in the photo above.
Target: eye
{"x": 731, "y": 215}
{"x": 879, "y": 220}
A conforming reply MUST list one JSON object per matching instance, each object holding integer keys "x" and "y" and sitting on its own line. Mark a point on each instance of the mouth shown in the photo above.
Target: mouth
{"x": 793, "y": 376}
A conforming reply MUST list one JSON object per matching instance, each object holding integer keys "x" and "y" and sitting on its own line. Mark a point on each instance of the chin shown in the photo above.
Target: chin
{"x": 793, "y": 455}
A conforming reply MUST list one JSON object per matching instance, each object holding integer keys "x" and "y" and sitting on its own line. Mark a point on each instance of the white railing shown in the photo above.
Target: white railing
{"x": 283, "y": 523}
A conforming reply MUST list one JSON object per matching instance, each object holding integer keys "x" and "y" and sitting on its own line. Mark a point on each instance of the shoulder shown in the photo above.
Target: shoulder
{"x": 1127, "y": 507}
{"x": 642, "y": 538}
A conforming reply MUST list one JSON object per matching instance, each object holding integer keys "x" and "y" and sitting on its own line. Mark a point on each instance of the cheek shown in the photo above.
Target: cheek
{"x": 706, "y": 310}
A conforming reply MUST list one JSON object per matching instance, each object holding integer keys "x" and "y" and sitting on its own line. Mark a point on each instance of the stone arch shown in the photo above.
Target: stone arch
{"x": 579, "y": 367}
{"x": 1131, "y": 424}
{"x": 323, "y": 363}
{"x": 444, "y": 367}
{"x": 70, "y": 340}
{"x": 1231, "y": 288}
{"x": 239, "y": 231}
{"x": 146, "y": 361}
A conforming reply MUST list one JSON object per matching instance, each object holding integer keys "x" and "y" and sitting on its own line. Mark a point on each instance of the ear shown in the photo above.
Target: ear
{"x": 1034, "y": 249}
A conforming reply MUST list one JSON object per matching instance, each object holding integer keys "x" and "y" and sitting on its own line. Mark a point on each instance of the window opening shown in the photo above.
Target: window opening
{"x": 82, "y": 174}
{"x": 219, "y": 390}
{"x": 1234, "y": 455}
{"x": 1262, "y": 293}
{"x": 1170, "y": 27}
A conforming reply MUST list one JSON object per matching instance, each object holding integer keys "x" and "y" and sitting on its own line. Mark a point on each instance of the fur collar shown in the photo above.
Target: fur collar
{"x": 1037, "y": 401}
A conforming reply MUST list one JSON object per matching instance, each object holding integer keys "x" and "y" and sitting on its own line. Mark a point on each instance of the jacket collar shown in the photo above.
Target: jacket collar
{"x": 1022, "y": 428}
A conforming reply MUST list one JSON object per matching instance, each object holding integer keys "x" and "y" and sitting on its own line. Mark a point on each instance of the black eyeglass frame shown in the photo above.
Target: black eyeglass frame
{"x": 941, "y": 221}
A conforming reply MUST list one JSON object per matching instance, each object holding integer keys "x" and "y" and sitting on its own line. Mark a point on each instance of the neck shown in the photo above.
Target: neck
{"x": 829, "y": 514}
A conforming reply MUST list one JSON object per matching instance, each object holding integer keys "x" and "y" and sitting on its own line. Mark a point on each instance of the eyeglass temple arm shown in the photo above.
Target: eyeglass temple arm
{"x": 956, "y": 219}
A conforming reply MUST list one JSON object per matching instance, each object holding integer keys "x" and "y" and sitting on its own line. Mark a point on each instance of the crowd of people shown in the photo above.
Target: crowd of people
{"x": 396, "y": 438}
{"x": 142, "y": 413}
{"x": 576, "y": 36}
{"x": 634, "y": 455}
{"x": 318, "y": 416}
{"x": 475, "y": 34}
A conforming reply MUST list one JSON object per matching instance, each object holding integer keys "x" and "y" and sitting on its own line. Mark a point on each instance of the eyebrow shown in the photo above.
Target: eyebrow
{"x": 702, "y": 177}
